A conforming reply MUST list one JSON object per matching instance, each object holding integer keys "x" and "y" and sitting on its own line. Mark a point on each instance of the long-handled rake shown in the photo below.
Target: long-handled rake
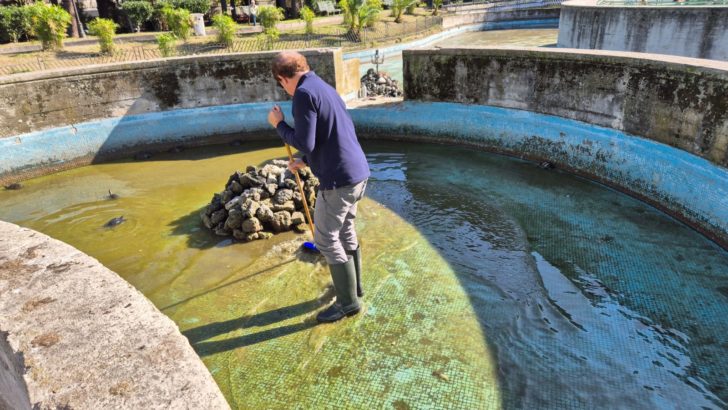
{"x": 307, "y": 246}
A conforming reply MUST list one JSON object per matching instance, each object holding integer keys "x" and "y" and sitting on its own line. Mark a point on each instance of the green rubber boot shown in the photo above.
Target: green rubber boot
{"x": 357, "y": 264}
{"x": 347, "y": 303}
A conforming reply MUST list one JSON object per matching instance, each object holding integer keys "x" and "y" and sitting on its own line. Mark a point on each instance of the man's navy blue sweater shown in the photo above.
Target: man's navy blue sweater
{"x": 325, "y": 134}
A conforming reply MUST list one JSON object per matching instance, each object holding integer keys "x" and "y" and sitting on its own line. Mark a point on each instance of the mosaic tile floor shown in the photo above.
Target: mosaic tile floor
{"x": 490, "y": 284}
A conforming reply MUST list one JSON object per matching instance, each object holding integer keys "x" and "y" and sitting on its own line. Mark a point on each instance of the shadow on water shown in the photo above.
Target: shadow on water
{"x": 198, "y": 335}
{"x": 198, "y": 236}
{"x": 216, "y": 288}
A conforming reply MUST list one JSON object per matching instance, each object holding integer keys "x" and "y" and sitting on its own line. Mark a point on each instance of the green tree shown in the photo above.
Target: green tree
{"x": 49, "y": 24}
{"x": 307, "y": 15}
{"x": 399, "y": 6}
{"x": 105, "y": 30}
{"x": 179, "y": 22}
{"x": 226, "y": 29}
{"x": 436, "y": 4}
{"x": 375, "y": 4}
{"x": 269, "y": 17}
{"x": 138, "y": 11}
{"x": 358, "y": 13}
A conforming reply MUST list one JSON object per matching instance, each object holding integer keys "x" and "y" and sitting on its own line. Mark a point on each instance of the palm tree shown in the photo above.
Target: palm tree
{"x": 358, "y": 13}
{"x": 399, "y": 6}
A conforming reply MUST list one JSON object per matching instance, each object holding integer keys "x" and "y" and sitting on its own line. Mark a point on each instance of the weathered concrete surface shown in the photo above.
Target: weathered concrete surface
{"x": 80, "y": 337}
{"x": 36, "y": 101}
{"x": 485, "y": 16}
{"x": 678, "y": 101}
{"x": 691, "y": 31}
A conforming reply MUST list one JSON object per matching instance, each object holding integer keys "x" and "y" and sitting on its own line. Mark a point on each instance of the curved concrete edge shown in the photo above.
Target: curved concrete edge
{"x": 668, "y": 178}
{"x": 81, "y": 337}
{"x": 35, "y": 153}
{"x": 593, "y": 5}
{"x": 686, "y": 186}
{"x": 491, "y": 25}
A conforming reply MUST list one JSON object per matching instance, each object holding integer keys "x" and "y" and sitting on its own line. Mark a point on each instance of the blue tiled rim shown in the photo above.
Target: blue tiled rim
{"x": 666, "y": 177}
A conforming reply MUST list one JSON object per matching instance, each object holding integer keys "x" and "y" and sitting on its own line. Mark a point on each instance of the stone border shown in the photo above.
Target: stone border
{"x": 81, "y": 337}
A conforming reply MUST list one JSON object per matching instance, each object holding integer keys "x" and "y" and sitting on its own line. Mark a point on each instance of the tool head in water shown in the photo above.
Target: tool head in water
{"x": 310, "y": 247}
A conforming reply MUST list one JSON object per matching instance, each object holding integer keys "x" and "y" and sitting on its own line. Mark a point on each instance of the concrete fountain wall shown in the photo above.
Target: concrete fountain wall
{"x": 653, "y": 126}
{"x": 61, "y": 119}
{"x": 690, "y": 31}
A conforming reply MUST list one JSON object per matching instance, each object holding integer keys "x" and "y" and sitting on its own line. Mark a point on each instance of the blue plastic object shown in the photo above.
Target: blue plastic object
{"x": 310, "y": 247}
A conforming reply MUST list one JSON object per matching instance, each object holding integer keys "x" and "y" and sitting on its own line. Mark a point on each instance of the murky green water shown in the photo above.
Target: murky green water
{"x": 489, "y": 283}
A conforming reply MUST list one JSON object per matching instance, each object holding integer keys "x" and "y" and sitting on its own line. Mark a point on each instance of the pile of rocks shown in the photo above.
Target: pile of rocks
{"x": 259, "y": 202}
{"x": 380, "y": 84}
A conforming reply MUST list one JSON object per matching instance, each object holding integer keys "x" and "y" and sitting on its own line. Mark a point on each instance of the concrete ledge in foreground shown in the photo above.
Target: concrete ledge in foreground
{"x": 73, "y": 334}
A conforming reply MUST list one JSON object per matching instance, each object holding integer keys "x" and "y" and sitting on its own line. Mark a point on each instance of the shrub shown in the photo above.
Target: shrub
{"x": 166, "y": 43}
{"x": 194, "y": 6}
{"x": 105, "y": 30}
{"x": 226, "y": 28}
{"x": 138, "y": 11}
{"x": 375, "y": 5}
{"x": 179, "y": 22}
{"x": 436, "y": 4}
{"x": 50, "y": 24}
{"x": 399, "y": 6}
{"x": 359, "y": 14}
{"x": 307, "y": 15}
{"x": 411, "y": 8}
{"x": 15, "y": 23}
{"x": 269, "y": 16}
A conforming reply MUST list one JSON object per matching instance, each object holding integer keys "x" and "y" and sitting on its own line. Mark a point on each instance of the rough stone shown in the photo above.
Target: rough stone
{"x": 288, "y": 206}
{"x": 252, "y": 225}
{"x": 218, "y": 216}
{"x": 283, "y": 196}
{"x": 281, "y": 221}
{"x": 297, "y": 218}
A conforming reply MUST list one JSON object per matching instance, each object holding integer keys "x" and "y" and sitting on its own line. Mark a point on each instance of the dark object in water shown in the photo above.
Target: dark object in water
{"x": 140, "y": 156}
{"x": 236, "y": 143}
{"x": 546, "y": 165}
{"x": 14, "y": 186}
{"x": 112, "y": 195}
{"x": 114, "y": 222}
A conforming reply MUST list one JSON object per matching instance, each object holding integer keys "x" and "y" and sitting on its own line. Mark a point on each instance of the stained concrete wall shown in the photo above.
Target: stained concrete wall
{"x": 114, "y": 96}
{"x": 74, "y": 335}
{"x": 485, "y": 16}
{"x": 677, "y": 101}
{"x": 35, "y": 101}
{"x": 691, "y": 31}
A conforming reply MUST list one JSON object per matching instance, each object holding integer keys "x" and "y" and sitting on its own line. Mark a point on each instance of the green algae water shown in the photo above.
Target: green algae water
{"x": 489, "y": 283}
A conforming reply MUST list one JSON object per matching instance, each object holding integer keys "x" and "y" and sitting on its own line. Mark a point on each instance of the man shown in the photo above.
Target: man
{"x": 325, "y": 134}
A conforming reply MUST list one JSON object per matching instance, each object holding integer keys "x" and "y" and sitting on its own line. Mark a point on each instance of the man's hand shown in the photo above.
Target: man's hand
{"x": 296, "y": 164}
{"x": 275, "y": 116}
